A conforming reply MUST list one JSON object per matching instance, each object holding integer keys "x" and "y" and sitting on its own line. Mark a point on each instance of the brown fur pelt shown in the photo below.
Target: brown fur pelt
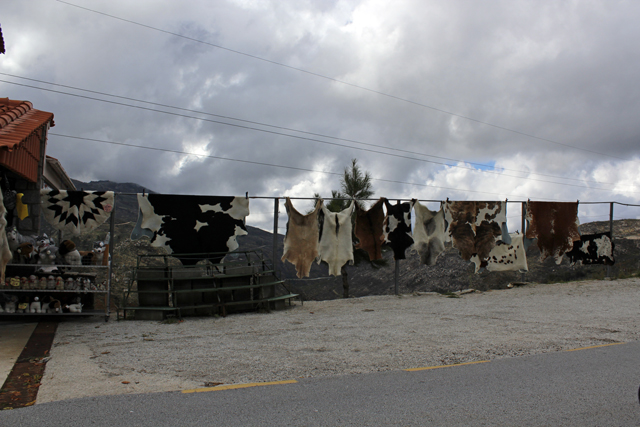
{"x": 463, "y": 239}
{"x": 555, "y": 225}
{"x": 486, "y": 235}
{"x": 474, "y": 227}
{"x": 369, "y": 230}
{"x": 302, "y": 238}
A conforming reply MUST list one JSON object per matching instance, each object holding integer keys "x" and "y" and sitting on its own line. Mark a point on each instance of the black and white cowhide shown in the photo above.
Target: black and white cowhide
{"x": 397, "y": 228}
{"x": 192, "y": 224}
{"x": 505, "y": 256}
{"x": 592, "y": 249}
{"x": 76, "y": 212}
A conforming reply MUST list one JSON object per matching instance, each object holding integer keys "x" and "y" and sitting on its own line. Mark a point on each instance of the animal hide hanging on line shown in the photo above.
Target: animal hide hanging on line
{"x": 428, "y": 233}
{"x": 397, "y": 228}
{"x": 76, "y": 212}
{"x": 369, "y": 230}
{"x": 593, "y": 249}
{"x": 505, "y": 256}
{"x": 555, "y": 225}
{"x": 475, "y": 227}
{"x": 192, "y": 225}
{"x": 336, "y": 246}
{"x": 302, "y": 238}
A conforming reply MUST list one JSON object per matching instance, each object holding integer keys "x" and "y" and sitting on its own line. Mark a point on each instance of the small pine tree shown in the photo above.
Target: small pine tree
{"x": 356, "y": 184}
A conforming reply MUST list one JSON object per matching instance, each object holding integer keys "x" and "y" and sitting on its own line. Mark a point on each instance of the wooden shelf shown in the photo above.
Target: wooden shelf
{"x": 84, "y": 313}
{"x": 54, "y": 291}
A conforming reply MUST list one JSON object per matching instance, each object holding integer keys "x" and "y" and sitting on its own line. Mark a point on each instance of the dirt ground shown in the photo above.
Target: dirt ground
{"x": 91, "y": 358}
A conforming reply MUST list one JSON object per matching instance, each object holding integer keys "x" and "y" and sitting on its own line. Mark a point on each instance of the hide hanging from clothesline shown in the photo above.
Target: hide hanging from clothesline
{"x": 428, "y": 233}
{"x": 397, "y": 228}
{"x": 192, "y": 225}
{"x": 593, "y": 249}
{"x": 505, "y": 256}
{"x": 336, "y": 245}
{"x": 475, "y": 227}
{"x": 369, "y": 230}
{"x": 76, "y": 212}
{"x": 301, "y": 240}
{"x": 555, "y": 225}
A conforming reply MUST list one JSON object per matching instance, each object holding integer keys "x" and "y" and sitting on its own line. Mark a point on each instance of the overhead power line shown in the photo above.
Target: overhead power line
{"x": 168, "y": 150}
{"x": 302, "y": 137}
{"x": 280, "y": 64}
{"x": 310, "y": 133}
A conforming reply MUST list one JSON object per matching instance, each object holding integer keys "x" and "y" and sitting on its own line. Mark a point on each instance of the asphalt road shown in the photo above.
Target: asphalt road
{"x": 589, "y": 387}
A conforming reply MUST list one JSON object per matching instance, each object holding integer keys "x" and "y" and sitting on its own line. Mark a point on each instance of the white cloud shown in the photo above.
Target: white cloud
{"x": 561, "y": 71}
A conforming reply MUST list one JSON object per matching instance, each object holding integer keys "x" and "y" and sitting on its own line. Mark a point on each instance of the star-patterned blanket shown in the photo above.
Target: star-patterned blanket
{"x": 76, "y": 212}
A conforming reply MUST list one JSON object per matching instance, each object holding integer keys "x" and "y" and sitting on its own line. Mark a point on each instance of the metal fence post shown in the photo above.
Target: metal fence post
{"x": 397, "y": 274}
{"x": 276, "y": 205}
{"x": 523, "y": 224}
{"x": 611, "y": 234}
{"x": 112, "y": 244}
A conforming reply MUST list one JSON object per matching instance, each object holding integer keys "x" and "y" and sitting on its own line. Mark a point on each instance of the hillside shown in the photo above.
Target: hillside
{"x": 450, "y": 274}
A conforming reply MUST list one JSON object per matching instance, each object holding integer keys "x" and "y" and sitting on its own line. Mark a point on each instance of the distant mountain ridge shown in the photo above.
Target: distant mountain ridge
{"x": 118, "y": 187}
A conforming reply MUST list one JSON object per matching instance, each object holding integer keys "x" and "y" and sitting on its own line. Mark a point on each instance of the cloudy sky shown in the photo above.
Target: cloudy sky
{"x": 464, "y": 100}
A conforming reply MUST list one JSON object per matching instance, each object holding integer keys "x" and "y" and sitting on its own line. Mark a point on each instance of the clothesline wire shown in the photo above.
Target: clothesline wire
{"x": 289, "y": 136}
{"x": 322, "y": 135}
{"x": 388, "y": 198}
{"x": 265, "y": 164}
{"x": 282, "y": 134}
{"x": 332, "y": 79}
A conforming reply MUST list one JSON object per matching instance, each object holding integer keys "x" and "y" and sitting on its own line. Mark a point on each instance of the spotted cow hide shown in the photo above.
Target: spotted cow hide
{"x": 555, "y": 225}
{"x": 397, "y": 228}
{"x": 369, "y": 230}
{"x": 475, "y": 227}
{"x": 76, "y": 212}
{"x": 336, "y": 246}
{"x": 505, "y": 256}
{"x": 592, "y": 249}
{"x": 428, "y": 233}
{"x": 301, "y": 240}
{"x": 192, "y": 225}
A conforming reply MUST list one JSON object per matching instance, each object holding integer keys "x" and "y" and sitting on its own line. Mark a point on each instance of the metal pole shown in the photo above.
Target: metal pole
{"x": 611, "y": 233}
{"x": 397, "y": 271}
{"x": 523, "y": 224}
{"x": 112, "y": 239}
{"x": 276, "y": 205}
{"x": 397, "y": 274}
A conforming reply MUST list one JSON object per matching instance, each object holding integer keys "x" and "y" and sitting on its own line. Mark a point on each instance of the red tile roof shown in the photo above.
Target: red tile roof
{"x": 21, "y": 129}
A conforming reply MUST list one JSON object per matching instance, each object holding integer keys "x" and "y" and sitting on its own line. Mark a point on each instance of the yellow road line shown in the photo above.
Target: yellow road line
{"x": 234, "y": 386}
{"x": 444, "y": 366}
{"x": 596, "y": 346}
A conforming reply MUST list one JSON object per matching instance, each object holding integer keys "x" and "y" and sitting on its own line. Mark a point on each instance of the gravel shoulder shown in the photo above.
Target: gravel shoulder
{"x": 325, "y": 338}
